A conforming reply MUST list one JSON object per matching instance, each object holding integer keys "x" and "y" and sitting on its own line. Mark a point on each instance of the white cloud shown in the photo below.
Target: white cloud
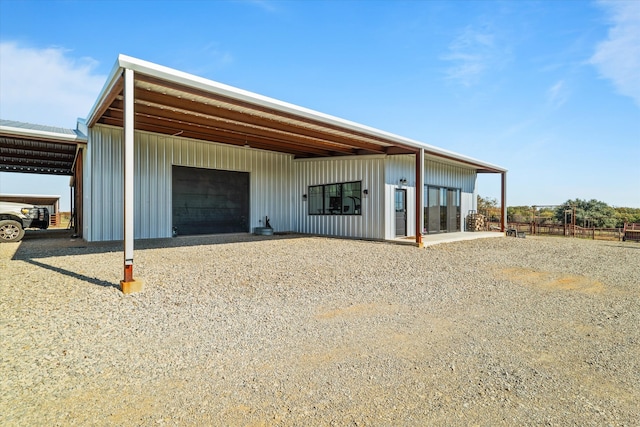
{"x": 46, "y": 86}
{"x": 557, "y": 94}
{"x": 618, "y": 57}
{"x": 470, "y": 55}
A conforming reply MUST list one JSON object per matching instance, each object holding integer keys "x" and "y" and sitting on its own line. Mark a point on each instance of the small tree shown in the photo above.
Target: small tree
{"x": 489, "y": 208}
{"x": 589, "y": 213}
{"x": 545, "y": 215}
{"x": 488, "y": 203}
{"x": 626, "y": 215}
{"x": 519, "y": 213}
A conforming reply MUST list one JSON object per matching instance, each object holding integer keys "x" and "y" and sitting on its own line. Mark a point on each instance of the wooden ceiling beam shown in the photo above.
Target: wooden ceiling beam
{"x": 215, "y": 112}
{"x": 258, "y": 108}
{"x": 183, "y": 119}
{"x": 214, "y": 135}
{"x": 399, "y": 150}
{"x": 116, "y": 91}
{"x": 240, "y": 134}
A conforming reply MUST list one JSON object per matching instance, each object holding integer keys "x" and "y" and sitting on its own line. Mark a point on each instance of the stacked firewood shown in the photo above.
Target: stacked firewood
{"x": 476, "y": 222}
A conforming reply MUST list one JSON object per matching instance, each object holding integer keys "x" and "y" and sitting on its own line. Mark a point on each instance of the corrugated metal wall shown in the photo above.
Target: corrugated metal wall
{"x": 437, "y": 174}
{"x": 368, "y": 169}
{"x": 400, "y": 167}
{"x": 454, "y": 176}
{"x": 154, "y": 156}
{"x": 450, "y": 176}
{"x": 277, "y": 184}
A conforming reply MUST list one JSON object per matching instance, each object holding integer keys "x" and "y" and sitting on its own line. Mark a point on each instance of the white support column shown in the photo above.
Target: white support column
{"x": 128, "y": 284}
{"x": 419, "y": 209}
{"x": 421, "y": 190}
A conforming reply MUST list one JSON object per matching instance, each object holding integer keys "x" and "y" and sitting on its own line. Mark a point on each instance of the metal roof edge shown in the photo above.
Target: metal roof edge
{"x": 190, "y": 80}
{"x": 52, "y": 196}
{"x": 33, "y": 133}
{"x": 115, "y": 73}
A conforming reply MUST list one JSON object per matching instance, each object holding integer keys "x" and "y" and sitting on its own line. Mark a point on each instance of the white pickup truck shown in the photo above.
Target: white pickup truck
{"x": 16, "y": 217}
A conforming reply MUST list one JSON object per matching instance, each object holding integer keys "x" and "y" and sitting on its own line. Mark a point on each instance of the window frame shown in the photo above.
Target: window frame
{"x": 333, "y": 201}
{"x": 441, "y": 215}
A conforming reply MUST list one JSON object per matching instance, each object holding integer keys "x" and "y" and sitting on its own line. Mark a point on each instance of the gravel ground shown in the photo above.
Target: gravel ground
{"x": 292, "y": 331}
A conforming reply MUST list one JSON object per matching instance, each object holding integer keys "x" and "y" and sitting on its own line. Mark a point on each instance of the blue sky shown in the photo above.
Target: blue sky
{"x": 549, "y": 89}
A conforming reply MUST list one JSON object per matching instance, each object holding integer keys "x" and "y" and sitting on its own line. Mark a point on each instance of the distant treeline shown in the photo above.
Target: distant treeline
{"x": 589, "y": 213}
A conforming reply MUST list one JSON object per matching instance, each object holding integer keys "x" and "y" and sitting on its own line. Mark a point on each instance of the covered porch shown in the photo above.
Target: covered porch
{"x": 436, "y": 239}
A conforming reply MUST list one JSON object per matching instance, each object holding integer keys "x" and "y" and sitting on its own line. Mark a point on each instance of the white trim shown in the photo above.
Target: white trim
{"x": 116, "y": 72}
{"x": 33, "y": 133}
{"x": 33, "y": 196}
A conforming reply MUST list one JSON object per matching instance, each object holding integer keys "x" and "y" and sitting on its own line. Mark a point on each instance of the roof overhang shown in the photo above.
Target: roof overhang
{"x": 172, "y": 102}
{"x": 33, "y": 199}
{"x": 38, "y": 149}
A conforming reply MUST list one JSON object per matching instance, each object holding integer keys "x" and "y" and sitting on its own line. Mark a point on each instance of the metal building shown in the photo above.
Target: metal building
{"x": 168, "y": 152}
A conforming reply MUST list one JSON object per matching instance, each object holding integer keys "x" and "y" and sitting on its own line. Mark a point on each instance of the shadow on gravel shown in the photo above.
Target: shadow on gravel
{"x": 625, "y": 246}
{"x": 39, "y": 244}
{"x": 82, "y": 277}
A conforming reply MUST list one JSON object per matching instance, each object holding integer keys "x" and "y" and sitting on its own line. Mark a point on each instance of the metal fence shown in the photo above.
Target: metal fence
{"x": 563, "y": 230}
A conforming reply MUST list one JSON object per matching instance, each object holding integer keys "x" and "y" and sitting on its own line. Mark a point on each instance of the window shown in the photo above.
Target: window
{"x": 442, "y": 213}
{"x": 335, "y": 199}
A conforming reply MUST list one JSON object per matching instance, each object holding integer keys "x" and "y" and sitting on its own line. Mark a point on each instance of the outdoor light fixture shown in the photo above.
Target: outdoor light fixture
{"x": 304, "y": 197}
{"x": 365, "y": 191}
{"x": 403, "y": 181}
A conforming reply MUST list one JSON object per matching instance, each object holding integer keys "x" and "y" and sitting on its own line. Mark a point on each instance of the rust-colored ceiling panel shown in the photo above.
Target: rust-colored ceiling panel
{"x": 229, "y": 111}
{"x": 171, "y": 108}
{"x": 183, "y": 112}
{"x": 181, "y": 121}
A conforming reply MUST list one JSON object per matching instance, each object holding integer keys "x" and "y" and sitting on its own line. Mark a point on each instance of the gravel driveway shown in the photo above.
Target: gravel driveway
{"x": 304, "y": 331}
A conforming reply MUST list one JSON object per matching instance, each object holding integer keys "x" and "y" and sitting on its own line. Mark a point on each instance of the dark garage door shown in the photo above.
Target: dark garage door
{"x": 210, "y": 201}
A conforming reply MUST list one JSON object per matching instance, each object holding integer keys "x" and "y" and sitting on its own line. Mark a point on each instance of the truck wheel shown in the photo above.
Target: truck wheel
{"x": 10, "y": 231}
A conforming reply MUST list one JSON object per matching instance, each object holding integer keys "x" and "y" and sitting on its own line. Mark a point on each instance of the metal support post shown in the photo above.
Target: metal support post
{"x": 503, "y": 204}
{"x": 128, "y": 284}
{"x": 419, "y": 191}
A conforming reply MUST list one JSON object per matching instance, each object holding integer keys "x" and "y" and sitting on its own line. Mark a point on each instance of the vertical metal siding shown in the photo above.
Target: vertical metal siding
{"x": 398, "y": 167}
{"x": 368, "y": 169}
{"x": 106, "y": 203}
{"x": 155, "y": 155}
{"x": 277, "y": 184}
{"x": 448, "y": 175}
{"x": 436, "y": 173}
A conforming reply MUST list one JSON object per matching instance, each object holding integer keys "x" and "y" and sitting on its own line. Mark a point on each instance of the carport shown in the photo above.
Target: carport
{"x": 48, "y": 150}
{"x": 140, "y": 95}
{"x": 52, "y": 203}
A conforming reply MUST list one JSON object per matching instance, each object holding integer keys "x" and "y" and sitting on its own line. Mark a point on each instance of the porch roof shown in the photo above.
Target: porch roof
{"x": 173, "y": 102}
{"x": 31, "y": 148}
